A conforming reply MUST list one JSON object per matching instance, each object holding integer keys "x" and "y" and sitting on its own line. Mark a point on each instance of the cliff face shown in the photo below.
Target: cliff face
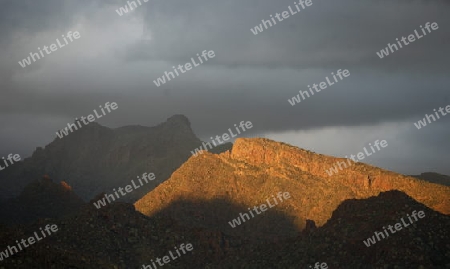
{"x": 255, "y": 169}
{"x": 362, "y": 179}
{"x": 96, "y": 159}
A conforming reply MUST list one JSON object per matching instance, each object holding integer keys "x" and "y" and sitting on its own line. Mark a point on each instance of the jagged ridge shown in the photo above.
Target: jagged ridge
{"x": 255, "y": 169}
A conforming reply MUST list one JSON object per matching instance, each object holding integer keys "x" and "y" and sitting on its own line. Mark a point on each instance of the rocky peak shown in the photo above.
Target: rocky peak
{"x": 179, "y": 124}
{"x": 179, "y": 119}
{"x": 112, "y": 156}
{"x": 257, "y": 168}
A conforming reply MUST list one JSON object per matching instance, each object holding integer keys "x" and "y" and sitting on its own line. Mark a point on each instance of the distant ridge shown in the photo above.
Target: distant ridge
{"x": 434, "y": 178}
{"x": 97, "y": 159}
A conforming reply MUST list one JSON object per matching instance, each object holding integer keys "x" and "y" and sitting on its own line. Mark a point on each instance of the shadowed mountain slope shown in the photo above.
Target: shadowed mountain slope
{"x": 117, "y": 236}
{"x": 339, "y": 242}
{"x": 40, "y": 199}
{"x": 95, "y": 158}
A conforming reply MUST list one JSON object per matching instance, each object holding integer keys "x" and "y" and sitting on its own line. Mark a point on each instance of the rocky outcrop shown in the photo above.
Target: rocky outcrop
{"x": 257, "y": 168}
{"x": 363, "y": 180}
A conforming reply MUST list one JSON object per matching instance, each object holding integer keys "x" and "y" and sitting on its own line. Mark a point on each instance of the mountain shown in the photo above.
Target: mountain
{"x": 434, "y": 178}
{"x": 40, "y": 199}
{"x": 98, "y": 159}
{"x": 324, "y": 219}
{"x": 256, "y": 169}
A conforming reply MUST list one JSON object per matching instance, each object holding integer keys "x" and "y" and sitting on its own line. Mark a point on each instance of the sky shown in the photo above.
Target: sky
{"x": 251, "y": 77}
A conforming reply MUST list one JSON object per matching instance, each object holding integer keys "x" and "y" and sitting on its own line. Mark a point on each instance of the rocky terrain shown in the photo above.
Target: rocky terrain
{"x": 257, "y": 168}
{"x": 118, "y": 236}
{"x": 325, "y": 220}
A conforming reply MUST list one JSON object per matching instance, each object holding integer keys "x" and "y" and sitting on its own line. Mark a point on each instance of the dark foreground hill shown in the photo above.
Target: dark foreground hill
{"x": 40, "y": 199}
{"x": 95, "y": 158}
{"x": 117, "y": 236}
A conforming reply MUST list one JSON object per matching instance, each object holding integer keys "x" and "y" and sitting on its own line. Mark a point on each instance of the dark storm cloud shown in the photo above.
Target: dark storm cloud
{"x": 327, "y": 34}
{"x": 251, "y": 77}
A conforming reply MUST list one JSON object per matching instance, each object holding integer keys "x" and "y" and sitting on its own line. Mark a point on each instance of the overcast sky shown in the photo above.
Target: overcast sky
{"x": 251, "y": 78}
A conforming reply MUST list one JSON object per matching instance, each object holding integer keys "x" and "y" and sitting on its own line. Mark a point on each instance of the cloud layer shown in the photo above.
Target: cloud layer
{"x": 251, "y": 78}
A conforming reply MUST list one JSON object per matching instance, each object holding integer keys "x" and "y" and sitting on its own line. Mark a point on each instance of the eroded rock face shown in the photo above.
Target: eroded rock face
{"x": 364, "y": 180}
{"x": 257, "y": 168}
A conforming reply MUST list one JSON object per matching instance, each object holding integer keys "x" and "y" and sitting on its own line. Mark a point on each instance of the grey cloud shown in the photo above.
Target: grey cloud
{"x": 329, "y": 33}
{"x": 251, "y": 77}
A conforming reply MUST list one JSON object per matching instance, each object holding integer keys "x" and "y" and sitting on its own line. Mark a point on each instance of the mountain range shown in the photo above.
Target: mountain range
{"x": 326, "y": 219}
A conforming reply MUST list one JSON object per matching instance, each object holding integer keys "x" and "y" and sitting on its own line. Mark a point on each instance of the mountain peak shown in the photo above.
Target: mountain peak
{"x": 179, "y": 119}
{"x": 111, "y": 156}
{"x": 178, "y": 124}
{"x": 257, "y": 168}
{"x": 258, "y": 151}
